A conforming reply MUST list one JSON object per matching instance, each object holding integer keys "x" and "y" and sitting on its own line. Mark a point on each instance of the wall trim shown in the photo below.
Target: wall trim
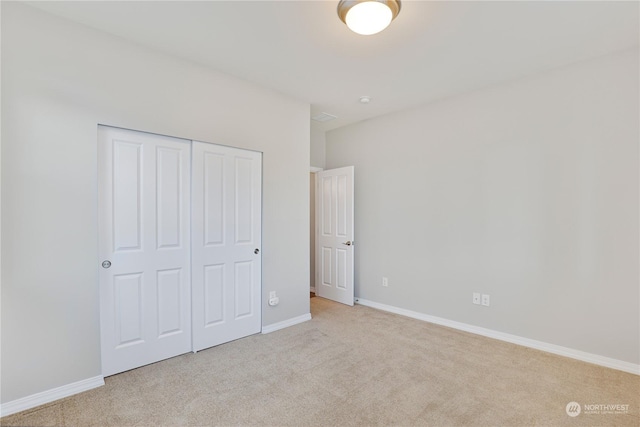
{"x": 583, "y": 356}
{"x": 315, "y": 169}
{"x": 47, "y": 396}
{"x": 285, "y": 323}
{"x": 313, "y": 289}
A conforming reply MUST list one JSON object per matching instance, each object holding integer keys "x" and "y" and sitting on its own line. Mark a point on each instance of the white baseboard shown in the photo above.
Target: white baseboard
{"x": 50, "y": 395}
{"x": 608, "y": 362}
{"x": 313, "y": 289}
{"x": 286, "y": 323}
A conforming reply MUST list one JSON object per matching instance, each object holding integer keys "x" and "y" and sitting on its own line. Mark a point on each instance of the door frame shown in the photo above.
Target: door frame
{"x": 312, "y": 259}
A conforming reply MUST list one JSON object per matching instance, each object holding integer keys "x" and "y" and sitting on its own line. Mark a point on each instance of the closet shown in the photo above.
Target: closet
{"x": 179, "y": 246}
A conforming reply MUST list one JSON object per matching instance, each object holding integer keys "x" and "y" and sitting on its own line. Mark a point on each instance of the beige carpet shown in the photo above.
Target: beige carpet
{"x": 352, "y": 366}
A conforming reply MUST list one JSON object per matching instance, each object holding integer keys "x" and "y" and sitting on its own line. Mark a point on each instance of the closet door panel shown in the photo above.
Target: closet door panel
{"x": 144, "y": 246}
{"x": 226, "y": 244}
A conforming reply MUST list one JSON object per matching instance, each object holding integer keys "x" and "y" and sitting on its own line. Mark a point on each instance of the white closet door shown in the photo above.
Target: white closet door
{"x": 226, "y": 244}
{"x": 144, "y": 234}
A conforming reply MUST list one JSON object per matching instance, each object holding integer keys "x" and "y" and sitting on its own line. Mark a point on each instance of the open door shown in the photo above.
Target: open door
{"x": 335, "y": 240}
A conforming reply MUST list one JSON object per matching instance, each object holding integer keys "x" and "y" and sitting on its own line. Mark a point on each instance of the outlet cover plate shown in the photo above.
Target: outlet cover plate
{"x": 486, "y": 300}
{"x": 476, "y": 298}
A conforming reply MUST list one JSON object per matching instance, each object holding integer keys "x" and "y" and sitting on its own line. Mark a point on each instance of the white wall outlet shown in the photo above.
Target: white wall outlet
{"x": 476, "y": 298}
{"x": 486, "y": 300}
{"x": 273, "y": 299}
{"x": 385, "y": 281}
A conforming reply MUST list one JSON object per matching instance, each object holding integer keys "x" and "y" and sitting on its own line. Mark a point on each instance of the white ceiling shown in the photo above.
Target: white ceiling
{"x": 434, "y": 49}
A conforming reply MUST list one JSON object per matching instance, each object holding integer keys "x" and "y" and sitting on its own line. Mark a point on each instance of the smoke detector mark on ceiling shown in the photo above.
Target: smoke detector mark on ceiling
{"x": 323, "y": 117}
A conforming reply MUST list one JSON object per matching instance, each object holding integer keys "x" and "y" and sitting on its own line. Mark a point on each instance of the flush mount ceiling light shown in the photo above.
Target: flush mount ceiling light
{"x": 368, "y": 17}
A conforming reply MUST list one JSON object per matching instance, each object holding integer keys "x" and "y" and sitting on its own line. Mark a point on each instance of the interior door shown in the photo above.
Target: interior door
{"x": 335, "y": 239}
{"x": 226, "y": 244}
{"x": 144, "y": 248}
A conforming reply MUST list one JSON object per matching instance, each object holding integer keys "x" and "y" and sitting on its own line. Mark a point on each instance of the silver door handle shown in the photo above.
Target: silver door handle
{"x": 106, "y": 264}
{"x": 348, "y": 243}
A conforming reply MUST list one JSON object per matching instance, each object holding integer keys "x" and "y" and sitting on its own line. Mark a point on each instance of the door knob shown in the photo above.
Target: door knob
{"x": 348, "y": 243}
{"x": 106, "y": 264}
{"x": 256, "y": 251}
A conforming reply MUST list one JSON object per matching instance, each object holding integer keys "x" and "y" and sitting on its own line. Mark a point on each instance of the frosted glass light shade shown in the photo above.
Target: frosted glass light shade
{"x": 368, "y": 17}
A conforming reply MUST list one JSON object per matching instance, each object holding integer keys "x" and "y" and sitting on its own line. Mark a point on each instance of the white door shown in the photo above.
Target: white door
{"x": 226, "y": 244}
{"x": 144, "y": 248}
{"x": 334, "y": 244}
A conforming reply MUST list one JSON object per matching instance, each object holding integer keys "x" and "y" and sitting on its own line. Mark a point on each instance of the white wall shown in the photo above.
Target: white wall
{"x": 527, "y": 191}
{"x": 318, "y": 145}
{"x": 59, "y": 81}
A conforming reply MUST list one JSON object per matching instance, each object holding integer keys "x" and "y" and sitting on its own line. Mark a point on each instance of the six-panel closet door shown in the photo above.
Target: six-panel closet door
{"x": 226, "y": 244}
{"x": 144, "y": 248}
{"x": 179, "y": 246}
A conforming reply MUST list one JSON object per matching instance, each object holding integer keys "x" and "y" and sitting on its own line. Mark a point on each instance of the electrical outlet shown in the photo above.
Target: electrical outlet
{"x": 485, "y": 300}
{"x": 476, "y": 298}
{"x": 273, "y": 299}
{"x": 385, "y": 281}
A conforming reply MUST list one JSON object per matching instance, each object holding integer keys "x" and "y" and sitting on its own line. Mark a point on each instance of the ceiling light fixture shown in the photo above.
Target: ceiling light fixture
{"x": 368, "y": 17}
